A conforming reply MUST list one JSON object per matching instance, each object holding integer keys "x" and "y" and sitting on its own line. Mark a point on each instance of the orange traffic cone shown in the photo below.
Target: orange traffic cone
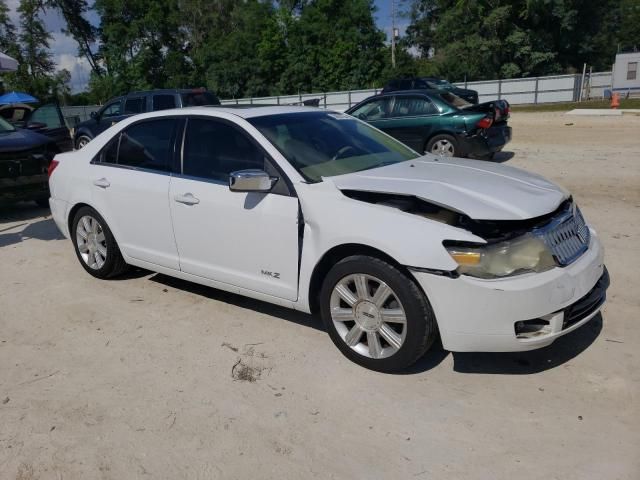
{"x": 615, "y": 100}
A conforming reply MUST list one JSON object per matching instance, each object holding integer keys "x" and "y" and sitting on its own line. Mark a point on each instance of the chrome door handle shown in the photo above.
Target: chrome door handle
{"x": 101, "y": 182}
{"x": 187, "y": 199}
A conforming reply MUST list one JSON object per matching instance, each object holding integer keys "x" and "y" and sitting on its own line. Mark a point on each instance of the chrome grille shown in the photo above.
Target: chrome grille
{"x": 567, "y": 236}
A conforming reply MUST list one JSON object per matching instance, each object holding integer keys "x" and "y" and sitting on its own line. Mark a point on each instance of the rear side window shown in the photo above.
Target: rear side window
{"x": 214, "y": 149}
{"x": 197, "y": 99}
{"x": 163, "y": 102}
{"x": 148, "y": 145}
{"x": 134, "y": 105}
{"x": 413, "y": 106}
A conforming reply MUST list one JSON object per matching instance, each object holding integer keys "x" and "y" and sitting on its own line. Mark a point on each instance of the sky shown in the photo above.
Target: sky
{"x": 64, "y": 48}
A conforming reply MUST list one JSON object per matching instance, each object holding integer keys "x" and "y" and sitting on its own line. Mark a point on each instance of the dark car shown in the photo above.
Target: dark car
{"x": 25, "y": 156}
{"x": 46, "y": 119}
{"x": 438, "y": 122}
{"x": 430, "y": 83}
{"x": 133, "y": 103}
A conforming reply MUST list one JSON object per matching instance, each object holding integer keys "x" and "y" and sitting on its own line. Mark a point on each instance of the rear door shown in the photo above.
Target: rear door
{"x": 130, "y": 181}
{"x": 48, "y": 120}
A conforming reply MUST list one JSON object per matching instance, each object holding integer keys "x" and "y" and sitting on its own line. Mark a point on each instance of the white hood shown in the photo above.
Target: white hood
{"x": 481, "y": 190}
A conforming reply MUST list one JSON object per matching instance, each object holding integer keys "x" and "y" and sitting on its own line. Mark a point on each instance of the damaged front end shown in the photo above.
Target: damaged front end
{"x": 512, "y": 246}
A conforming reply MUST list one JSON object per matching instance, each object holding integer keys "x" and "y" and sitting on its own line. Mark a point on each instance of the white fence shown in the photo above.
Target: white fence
{"x": 552, "y": 89}
{"x": 557, "y": 88}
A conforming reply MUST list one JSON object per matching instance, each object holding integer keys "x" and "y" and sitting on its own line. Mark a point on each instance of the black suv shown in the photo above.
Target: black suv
{"x": 430, "y": 83}
{"x": 133, "y": 103}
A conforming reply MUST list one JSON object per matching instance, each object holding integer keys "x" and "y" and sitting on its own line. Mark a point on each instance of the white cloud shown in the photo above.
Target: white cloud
{"x": 63, "y": 48}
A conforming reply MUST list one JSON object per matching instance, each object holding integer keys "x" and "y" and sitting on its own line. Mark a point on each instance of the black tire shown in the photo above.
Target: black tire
{"x": 421, "y": 326}
{"x": 443, "y": 137}
{"x": 114, "y": 264}
{"x": 42, "y": 202}
{"x": 81, "y": 141}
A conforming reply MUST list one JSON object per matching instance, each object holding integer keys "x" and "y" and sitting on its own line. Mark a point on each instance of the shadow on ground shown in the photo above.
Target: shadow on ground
{"x": 520, "y": 363}
{"x": 22, "y": 211}
{"x": 559, "y": 352}
{"x": 501, "y": 157}
{"x": 240, "y": 301}
{"x": 41, "y": 230}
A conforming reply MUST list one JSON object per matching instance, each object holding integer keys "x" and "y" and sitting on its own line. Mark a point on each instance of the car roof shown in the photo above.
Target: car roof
{"x": 417, "y": 91}
{"x": 251, "y": 111}
{"x": 243, "y": 111}
{"x": 169, "y": 90}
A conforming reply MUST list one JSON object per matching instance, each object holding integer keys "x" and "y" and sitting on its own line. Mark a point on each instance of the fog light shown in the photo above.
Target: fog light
{"x": 532, "y": 328}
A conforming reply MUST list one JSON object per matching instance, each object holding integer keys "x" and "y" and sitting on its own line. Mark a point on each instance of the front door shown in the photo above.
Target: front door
{"x": 412, "y": 120}
{"x": 247, "y": 240}
{"x": 130, "y": 182}
{"x": 49, "y": 121}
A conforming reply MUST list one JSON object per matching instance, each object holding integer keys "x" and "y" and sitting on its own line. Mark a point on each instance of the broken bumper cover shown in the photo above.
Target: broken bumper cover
{"x": 481, "y": 315}
{"x": 490, "y": 141}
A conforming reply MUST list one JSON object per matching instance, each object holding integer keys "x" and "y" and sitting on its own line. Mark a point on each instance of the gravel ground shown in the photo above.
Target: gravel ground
{"x": 151, "y": 377}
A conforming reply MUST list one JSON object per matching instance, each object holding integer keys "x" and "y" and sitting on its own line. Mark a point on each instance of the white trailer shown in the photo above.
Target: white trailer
{"x": 626, "y": 77}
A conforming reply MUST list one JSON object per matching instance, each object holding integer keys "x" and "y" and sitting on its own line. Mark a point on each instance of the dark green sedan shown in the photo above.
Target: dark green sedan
{"x": 438, "y": 122}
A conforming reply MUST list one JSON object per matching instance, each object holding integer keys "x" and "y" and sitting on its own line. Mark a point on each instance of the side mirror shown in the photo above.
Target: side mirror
{"x": 251, "y": 181}
{"x": 94, "y": 115}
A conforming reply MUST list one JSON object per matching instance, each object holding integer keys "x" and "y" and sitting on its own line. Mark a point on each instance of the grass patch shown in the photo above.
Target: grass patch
{"x": 562, "y": 107}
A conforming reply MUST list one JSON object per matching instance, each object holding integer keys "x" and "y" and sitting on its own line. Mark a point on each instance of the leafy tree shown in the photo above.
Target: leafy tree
{"x": 79, "y": 28}
{"x": 35, "y": 72}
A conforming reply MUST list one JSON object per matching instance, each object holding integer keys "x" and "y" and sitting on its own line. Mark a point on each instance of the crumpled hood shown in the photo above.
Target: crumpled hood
{"x": 480, "y": 190}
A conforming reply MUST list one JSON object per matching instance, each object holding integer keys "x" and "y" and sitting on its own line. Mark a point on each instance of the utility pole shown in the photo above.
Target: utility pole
{"x": 393, "y": 33}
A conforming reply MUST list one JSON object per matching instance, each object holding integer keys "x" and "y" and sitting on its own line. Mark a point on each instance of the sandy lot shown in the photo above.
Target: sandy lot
{"x": 132, "y": 378}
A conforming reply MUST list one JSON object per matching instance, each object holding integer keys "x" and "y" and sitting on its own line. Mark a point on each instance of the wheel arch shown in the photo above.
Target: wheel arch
{"x": 337, "y": 253}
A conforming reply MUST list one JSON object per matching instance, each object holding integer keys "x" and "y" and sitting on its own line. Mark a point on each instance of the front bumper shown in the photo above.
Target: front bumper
{"x": 476, "y": 315}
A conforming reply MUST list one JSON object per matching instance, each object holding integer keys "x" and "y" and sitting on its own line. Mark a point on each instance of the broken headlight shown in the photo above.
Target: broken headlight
{"x": 520, "y": 255}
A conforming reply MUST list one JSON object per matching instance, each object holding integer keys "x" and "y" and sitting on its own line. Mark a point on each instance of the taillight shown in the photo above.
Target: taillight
{"x": 484, "y": 123}
{"x": 52, "y": 166}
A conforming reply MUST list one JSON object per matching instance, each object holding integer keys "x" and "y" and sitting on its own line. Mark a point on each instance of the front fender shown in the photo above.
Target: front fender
{"x": 331, "y": 219}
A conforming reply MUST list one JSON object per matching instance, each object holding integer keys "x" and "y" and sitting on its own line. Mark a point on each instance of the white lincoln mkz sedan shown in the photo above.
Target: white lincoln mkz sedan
{"x": 320, "y": 212}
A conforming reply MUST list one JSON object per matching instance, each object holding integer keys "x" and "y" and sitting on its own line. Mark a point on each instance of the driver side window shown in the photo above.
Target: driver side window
{"x": 213, "y": 149}
{"x": 112, "y": 110}
{"x": 373, "y": 110}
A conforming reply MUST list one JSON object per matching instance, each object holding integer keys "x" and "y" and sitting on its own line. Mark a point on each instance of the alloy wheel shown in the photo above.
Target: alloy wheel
{"x": 443, "y": 147}
{"x": 82, "y": 142}
{"x": 91, "y": 242}
{"x": 368, "y": 316}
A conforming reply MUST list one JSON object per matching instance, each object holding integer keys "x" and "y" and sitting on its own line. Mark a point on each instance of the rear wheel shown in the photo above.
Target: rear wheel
{"x": 443, "y": 145}
{"x": 95, "y": 245}
{"x": 375, "y": 315}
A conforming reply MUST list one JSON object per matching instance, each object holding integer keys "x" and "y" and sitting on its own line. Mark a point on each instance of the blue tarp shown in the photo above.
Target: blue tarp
{"x": 17, "y": 97}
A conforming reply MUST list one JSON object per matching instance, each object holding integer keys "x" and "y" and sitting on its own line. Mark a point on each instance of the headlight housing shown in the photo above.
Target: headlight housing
{"x": 527, "y": 253}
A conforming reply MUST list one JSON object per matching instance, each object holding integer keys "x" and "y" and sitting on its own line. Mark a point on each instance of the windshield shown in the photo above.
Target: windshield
{"x": 323, "y": 144}
{"x": 455, "y": 100}
{"x": 5, "y": 126}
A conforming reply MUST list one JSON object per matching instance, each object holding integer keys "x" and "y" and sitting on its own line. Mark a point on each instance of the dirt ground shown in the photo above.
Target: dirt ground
{"x": 150, "y": 377}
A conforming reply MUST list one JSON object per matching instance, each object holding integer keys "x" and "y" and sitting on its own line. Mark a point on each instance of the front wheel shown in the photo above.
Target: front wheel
{"x": 443, "y": 145}
{"x": 95, "y": 245}
{"x": 375, "y": 314}
{"x": 82, "y": 141}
